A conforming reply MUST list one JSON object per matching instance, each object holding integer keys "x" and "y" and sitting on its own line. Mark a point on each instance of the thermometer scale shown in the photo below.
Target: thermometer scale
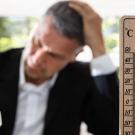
{"x": 127, "y": 75}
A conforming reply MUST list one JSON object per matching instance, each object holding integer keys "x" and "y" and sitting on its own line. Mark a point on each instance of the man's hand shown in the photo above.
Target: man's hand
{"x": 92, "y": 27}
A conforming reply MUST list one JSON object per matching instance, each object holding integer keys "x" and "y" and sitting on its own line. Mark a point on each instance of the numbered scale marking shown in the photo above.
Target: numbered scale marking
{"x": 127, "y": 75}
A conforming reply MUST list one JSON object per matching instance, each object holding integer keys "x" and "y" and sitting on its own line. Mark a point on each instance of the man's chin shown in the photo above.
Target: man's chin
{"x": 38, "y": 77}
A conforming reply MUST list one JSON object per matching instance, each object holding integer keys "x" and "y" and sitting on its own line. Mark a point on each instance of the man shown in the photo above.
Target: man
{"x": 44, "y": 91}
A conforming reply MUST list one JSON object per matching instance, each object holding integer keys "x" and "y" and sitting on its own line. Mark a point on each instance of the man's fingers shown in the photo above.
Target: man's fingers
{"x": 77, "y": 8}
{"x": 82, "y": 8}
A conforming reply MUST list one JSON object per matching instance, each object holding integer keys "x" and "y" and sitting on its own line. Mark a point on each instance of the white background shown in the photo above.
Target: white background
{"x": 38, "y": 7}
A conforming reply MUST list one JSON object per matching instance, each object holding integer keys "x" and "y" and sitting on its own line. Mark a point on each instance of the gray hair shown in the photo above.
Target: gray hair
{"x": 68, "y": 22}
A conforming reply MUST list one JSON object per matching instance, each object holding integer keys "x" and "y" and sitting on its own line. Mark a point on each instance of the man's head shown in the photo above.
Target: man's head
{"x": 56, "y": 42}
{"x": 68, "y": 22}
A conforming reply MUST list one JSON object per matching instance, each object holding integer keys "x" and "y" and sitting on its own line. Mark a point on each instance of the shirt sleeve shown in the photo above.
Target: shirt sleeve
{"x": 102, "y": 65}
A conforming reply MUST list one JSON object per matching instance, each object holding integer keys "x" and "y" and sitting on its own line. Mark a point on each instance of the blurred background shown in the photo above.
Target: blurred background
{"x": 17, "y": 17}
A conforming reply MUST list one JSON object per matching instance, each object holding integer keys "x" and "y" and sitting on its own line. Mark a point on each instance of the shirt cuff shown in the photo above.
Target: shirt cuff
{"x": 102, "y": 65}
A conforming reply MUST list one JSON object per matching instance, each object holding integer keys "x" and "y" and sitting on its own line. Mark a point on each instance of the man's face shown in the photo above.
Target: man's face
{"x": 48, "y": 52}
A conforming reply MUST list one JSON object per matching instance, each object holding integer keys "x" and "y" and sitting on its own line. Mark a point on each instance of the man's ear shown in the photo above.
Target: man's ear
{"x": 73, "y": 58}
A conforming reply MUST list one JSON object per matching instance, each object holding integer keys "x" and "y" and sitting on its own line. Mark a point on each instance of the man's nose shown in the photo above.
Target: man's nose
{"x": 40, "y": 57}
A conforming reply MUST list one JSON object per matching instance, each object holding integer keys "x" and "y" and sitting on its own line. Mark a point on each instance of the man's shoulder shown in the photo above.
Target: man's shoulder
{"x": 78, "y": 68}
{"x": 78, "y": 65}
{"x": 10, "y": 52}
{"x": 76, "y": 74}
{"x": 10, "y": 58}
